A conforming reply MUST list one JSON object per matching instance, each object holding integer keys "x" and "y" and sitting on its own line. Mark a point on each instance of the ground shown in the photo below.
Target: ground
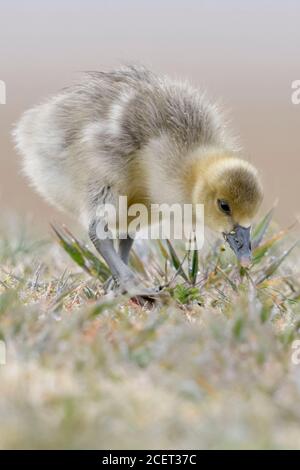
{"x": 211, "y": 365}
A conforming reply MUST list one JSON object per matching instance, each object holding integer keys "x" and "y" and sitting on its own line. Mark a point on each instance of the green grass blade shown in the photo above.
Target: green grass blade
{"x": 97, "y": 266}
{"x": 194, "y": 268}
{"x": 176, "y": 262}
{"x": 82, "y": 255}
{"x": 261, "y": 228}
{"x": 72, "y": 251}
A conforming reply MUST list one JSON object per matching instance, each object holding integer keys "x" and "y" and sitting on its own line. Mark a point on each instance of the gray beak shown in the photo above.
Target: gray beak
{"x": 239, "y": 241}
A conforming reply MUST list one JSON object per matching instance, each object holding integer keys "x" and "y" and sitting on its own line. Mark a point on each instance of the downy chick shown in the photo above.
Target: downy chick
{"x": 130, "y": 132}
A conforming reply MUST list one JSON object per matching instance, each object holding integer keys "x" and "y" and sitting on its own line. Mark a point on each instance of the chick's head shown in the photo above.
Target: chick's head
{"x": 231, "y": 192}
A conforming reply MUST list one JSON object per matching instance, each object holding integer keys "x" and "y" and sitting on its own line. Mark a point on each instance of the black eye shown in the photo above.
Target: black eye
{"x": 224, "y": 206}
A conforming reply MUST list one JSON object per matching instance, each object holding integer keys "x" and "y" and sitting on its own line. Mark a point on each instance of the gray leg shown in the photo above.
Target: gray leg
{"x": 125, "y": 245}
{"x": 124, "y": 249}
{"x": 120, "y": 271}
{"x": 106, "y": 248}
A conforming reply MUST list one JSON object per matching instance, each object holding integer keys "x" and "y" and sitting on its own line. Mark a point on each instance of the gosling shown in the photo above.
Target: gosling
{"x": 130, "y": 132}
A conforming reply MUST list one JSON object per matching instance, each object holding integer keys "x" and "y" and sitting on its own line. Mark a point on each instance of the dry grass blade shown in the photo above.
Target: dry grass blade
{"x": 137, "y": 263}
{"x": 103, "y": 305}
{"x": 272, "y": 268}
{"x": 230, "y": 282}
{"x": 263, "y": 249}
{"x": 163, "y": 251}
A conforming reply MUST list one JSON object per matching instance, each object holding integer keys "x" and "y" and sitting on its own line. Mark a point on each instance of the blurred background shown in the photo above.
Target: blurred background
{"x": 246, "y": 54}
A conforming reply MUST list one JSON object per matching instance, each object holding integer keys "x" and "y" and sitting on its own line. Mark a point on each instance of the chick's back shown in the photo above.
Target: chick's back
{"x": 87, "y": 136}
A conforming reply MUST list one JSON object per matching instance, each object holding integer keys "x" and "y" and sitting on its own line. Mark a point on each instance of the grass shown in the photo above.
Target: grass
{"x": 209, "y": 366}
